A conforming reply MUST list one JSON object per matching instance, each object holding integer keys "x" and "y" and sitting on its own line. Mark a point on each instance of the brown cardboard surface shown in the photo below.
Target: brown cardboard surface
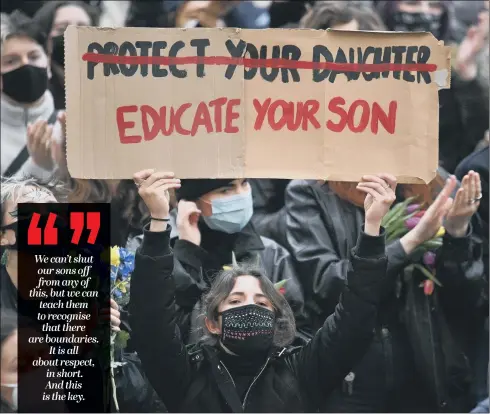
{"x": 239, "y": 149}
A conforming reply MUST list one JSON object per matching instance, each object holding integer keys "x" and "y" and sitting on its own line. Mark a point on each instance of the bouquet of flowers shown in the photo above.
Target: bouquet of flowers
{"x": 402, "y": 218}
{"x": 122, "y": 266}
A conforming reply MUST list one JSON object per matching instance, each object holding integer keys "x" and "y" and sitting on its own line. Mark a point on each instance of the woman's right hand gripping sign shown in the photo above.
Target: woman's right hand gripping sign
{"x": 380, "y": 190}
{"x": 153, "y": 187}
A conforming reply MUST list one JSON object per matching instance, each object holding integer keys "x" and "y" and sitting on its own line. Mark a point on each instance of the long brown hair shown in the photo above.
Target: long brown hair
{"x": 222, "y": 286}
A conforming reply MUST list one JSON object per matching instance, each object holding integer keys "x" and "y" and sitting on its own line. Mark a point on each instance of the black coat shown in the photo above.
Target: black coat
{"x": 321, "y": 230}
{"x": 463, "y": 120}
{"x": 196, "y": 267}
{"x": 291, "y": 381}
{"x": 269, "y": 216}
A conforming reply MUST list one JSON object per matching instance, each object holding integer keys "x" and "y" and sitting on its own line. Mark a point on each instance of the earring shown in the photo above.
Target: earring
{"x": 4, "y": 258}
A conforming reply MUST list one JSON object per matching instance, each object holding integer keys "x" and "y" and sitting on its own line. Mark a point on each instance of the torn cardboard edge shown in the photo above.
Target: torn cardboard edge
{"x": 88, "y": 167}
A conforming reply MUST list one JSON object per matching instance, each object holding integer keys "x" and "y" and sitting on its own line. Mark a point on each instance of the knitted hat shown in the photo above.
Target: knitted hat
{"x": 192, "y": 189}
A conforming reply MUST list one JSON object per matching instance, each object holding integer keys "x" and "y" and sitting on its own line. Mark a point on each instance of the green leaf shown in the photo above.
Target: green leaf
{"x": 432, "y": 244}
{"x": 427, "y": 274}
{"x": 396, "y": 212}
{"x": 280, "y": 284}
{"x": 121, "y": 340}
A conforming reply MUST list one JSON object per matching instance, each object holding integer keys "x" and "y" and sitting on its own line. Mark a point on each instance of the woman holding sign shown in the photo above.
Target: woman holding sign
{"x": 244, "y": 363}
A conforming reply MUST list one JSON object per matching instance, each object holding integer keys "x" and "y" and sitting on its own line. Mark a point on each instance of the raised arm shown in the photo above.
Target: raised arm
{"x": 155, "y": 332}
{"x": 346, "y": 334}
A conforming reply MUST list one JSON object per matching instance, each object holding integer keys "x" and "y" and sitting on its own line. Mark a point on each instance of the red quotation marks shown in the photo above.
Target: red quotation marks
{"x": 77, "y": 224}
{"x": 34, "y": 233}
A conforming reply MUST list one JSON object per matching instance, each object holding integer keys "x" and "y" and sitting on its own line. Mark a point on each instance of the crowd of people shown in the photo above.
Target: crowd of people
{"x": 353, "y": 329}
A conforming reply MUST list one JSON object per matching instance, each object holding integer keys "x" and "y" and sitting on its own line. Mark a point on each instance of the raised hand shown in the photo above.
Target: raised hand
{"x": 39, "y": 139}
{"x": 153, "y": 188}
{"x": 187, "y": 218}
{"x": 380, "y": 190}
{"x": 475, "y": 40}
{"x": 466, "y": 203}
{"x": 432, "y": 220}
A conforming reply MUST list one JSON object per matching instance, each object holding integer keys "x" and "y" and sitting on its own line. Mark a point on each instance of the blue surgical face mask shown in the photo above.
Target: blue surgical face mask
{"x": 230, "y": 214}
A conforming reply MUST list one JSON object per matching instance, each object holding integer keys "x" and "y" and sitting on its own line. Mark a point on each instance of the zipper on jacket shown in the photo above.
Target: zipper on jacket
{"x": 228, "y": 372}
{"x": 253, "y": 382}
{"x": 388, "y": 354}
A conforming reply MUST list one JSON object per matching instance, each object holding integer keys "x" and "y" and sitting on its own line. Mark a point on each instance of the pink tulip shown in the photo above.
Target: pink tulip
{"x": 412, "y": 208}
{"x": 428, "y": 287}
{"x": 412, "y": 222}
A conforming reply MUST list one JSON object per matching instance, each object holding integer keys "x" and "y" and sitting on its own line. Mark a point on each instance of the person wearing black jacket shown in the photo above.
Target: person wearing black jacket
{"x": 479, "y": 161}
{"x": 212, "y": 229}
{"x": 245, "y": 364}
{"x": 414, "y": 363}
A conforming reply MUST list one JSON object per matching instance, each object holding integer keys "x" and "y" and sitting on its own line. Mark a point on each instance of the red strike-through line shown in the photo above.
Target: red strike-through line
{"x": 258, "y": 63}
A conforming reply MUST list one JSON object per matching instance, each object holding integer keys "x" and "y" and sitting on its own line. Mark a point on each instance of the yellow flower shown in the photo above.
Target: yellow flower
{"x": 115, "y": 259}
{"x": 441, "y": 232}
{"x": 122, "y": 287}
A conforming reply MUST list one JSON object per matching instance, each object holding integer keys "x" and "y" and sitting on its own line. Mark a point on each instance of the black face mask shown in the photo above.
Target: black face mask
{"x": 417, "y": 22}
{"x": 58, "y": 55}
{"x": 247, "y": 330}
{"x": 25, "y": 84}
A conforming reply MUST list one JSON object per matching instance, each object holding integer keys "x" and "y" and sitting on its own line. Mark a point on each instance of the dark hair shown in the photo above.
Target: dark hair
{"x": 18, "y": 24}
{"x": 222, "y": 286}
{"x": 46, "y": 14}
{"x": 128, "y": 211}
{"x": 386, "y": 10}
{"x": 326, "y": 14}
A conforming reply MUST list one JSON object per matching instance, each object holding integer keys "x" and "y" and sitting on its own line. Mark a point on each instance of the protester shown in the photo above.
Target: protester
{"x": 248, "y": 323}
{"x": 341, "y": 15}
{"x": 27, "y": 106}
{"x": 397, "y": 372}
{"x": 478, "y": 344}
{"x": 53, "y": 18}
{"x": 464, "y": 107}
{"x": 212, "y": 229}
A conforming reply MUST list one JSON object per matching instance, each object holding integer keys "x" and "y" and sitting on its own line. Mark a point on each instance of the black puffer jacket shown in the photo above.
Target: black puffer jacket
{"x": 414, "y": 331}
{"x": 196, "y": 267}
{"x": 289, "y": 381}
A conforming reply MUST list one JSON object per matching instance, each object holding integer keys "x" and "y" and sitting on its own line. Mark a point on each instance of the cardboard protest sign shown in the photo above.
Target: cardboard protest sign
{"x": 231, "y": 103}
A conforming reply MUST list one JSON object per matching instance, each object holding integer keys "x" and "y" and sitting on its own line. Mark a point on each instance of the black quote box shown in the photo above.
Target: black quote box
{"x": 58, "y": 278}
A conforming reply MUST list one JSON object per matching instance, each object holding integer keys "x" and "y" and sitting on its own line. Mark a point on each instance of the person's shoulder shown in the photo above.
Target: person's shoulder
{"x": 477, "y": 160}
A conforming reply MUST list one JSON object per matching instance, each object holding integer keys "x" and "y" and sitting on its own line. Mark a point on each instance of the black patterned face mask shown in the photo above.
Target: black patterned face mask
{"x": 417, "y": 22}
{"x": 247, "y": 330}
